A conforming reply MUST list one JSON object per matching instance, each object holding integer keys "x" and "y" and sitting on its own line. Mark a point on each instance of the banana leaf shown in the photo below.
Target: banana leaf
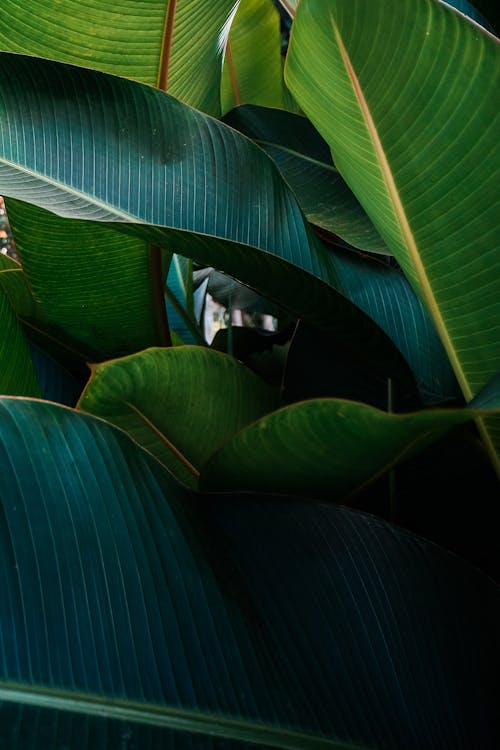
{"x": 159, "y": 395}
{"x": 93, "y": 288}
{"x": 148, "y": 162}
{"x": 406, "y": 95}
{"x": 180, "y": 301}
{"x": 331, "y": 448}
{"x": 134, "y": 612}
{"x": 305, "y": 162}
{"x": 176, "y": 45}
{"x": 253, "y": 68}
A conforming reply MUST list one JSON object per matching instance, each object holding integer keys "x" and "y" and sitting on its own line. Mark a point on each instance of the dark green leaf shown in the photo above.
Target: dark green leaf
{"x": 141, "y": 158}
{"x": 328, "y": 448}
{"x": 180, "y": 403}
{"x": 305, "y": 161}
{"x": 289, "y": 624}
{"x": 17, "y": 373}
{"x": 97, "y": 290}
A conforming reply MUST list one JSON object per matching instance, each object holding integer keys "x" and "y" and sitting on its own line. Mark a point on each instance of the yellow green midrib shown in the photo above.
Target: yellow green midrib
{"x": 409, "y": 239}
{"x": 167, "y": 717}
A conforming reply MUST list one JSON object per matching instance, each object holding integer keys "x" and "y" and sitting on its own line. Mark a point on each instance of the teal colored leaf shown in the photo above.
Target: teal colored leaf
{"x": 305, "y": 161}
{"x": 469, "y": 10}
{"x": 134, "y": 611}
{"x": 180, "y": 301}
{"x": 155, "y": 176}
{"x": 56, "y": 382}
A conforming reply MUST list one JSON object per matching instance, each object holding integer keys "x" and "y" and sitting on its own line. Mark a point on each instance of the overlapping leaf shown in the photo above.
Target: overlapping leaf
{"x": 180, "y": 403}
{"x": 119, "y": 151}
{"x": 405, "y": 93}
{"x": 176, "y": 45}
{"x": 326, "y": 447}
{"x": 17, "y": 373}
{"x": 93, "y": 288}
{"x": 305, "y": 162}
{"x": 140, "y": 613}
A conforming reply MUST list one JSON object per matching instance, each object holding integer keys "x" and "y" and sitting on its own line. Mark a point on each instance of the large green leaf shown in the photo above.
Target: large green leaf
{"x": 406, "y": 94}
{"x": 136, "y": 613}
{"x": 95, "y": 289}
{"x": 173, "y": 44}
{"x": 305, "y": 162}
{"x": 142, "y": 158}
{"x": 325, "y": 447}
{"x": 253, "y": 69}
{"x": 180, "y": 403}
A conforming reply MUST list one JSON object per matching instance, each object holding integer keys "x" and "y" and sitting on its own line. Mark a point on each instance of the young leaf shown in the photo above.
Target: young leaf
{"x": 175, "y": 45}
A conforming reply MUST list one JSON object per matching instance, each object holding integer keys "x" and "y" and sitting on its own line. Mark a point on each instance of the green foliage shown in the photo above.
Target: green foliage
{"x": 352, "y": 194}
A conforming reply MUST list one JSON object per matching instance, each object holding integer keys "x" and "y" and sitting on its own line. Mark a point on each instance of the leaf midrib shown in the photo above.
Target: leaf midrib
{"x": 409, "y": 239}
{"x": 70, "y": 190}
{"x": 166, "y": 46}
{"x": 164, "y": 439}
{"x": 167, "y": 717}
{"x": 299, "y": 155}
{"x": 401, "y": 217}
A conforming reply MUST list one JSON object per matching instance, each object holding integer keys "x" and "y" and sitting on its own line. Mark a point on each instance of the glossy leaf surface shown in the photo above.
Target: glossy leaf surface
{"x": 177, "y": 178}
{"x": 96, "y": 289}
{"x": 289, "y": 624}
{"x": 406, "y": 95}
{"x": 327, "y": 447}
{"x": 253, "y": 68}
{"x": 305, "y": 162}
{"x": 156, "y": 395}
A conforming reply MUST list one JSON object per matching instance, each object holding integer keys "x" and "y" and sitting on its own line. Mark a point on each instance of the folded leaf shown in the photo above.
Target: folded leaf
{"x": 180, "y": 403}
{"x": 305, "y": 162}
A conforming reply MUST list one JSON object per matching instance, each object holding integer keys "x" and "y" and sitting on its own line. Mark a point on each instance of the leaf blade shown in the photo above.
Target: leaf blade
{"x": 409, "y": 175}
{"x": 133, "y": 589}
{"x": 330, "y": 448}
